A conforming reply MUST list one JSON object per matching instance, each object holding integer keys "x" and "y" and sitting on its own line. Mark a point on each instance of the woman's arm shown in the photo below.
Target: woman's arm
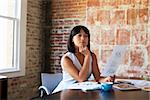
{"x": 96, "y": 71}
{"x": 79, "y": 75}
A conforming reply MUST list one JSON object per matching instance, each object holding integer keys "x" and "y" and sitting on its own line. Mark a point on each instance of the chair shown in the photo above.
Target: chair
{"x": 49, "y": 83}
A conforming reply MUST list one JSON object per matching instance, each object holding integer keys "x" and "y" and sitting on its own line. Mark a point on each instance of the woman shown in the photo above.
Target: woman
{"x": 79, "y": 62}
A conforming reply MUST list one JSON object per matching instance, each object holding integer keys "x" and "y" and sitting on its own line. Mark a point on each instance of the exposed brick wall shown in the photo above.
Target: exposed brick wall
{"x": 111, "y": 22}
{"x": 121, "y": 22}
{"x": 26, "y": 87}
{"x": 64, "y": 15}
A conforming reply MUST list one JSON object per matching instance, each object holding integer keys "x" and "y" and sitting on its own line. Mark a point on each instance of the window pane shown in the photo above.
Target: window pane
{"x": 6, "y": 43}
{"x": 7, "y": 8}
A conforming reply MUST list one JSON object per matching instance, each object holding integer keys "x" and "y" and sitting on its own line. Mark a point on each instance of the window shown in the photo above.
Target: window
{"x": 12, "y": 37}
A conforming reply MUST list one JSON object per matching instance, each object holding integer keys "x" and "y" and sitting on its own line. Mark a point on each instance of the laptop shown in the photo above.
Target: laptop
{"x": 114, "y": 61}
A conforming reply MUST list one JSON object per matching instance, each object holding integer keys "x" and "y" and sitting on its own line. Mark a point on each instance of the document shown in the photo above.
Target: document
{"x": 114, "y": 61}
{"x": 84, "y": 86}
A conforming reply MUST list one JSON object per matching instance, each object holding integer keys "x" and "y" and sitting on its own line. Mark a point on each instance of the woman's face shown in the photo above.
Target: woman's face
{"x": 80, "y": 39}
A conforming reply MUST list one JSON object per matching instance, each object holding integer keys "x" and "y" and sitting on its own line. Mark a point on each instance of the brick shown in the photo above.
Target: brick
{"x": 145, "y": 2}
{"x": 143, "y": 15}
{"x": 94, "y": 3}
{"x": 103, "y": 16}
{"x": 108, "y": 37}
{"x": 123, "y": 37}
{"x": 132, "y": 16}
{"x": 140, "y": 38}
{"x": 118, "y": 17}
{"x": 148, "y": 49}
{"x": 137, "y": 56}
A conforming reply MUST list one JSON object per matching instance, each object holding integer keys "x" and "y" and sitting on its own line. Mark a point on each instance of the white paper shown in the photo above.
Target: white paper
{"x": 114, "y": 61}
{"x": 84, "y": 86}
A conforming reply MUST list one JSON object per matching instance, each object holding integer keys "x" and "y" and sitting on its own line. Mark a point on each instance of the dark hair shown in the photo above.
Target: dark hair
{"x": 74, "y": 31}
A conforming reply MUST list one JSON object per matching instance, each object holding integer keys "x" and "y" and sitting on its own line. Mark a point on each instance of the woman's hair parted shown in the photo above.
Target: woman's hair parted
{"x": 74, "y": 31}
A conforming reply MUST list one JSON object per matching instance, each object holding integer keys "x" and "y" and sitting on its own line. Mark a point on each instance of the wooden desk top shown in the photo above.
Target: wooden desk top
{"x": 100, "y": 95}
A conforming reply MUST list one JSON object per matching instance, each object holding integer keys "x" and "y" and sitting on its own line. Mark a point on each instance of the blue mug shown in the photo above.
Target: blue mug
{"x": 106, "y": 86}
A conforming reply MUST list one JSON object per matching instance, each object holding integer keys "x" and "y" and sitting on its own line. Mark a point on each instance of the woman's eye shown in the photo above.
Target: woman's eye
{"x": 79, "y": 35}
{"x": 85, "y": 35}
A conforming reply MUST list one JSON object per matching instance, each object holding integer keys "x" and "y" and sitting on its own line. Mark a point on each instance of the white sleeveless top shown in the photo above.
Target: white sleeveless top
{"x": 67, "y": 78}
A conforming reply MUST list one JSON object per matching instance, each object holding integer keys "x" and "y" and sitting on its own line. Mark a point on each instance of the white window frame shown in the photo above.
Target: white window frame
{"x": 20, "y": 60}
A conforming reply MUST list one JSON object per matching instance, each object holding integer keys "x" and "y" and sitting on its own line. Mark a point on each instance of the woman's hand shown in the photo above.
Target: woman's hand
{"x": 84, "y": 50}
{"x": 108, "y": 79}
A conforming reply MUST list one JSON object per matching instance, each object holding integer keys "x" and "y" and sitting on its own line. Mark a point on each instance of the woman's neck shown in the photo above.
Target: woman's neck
{"x": 77, "y": 52}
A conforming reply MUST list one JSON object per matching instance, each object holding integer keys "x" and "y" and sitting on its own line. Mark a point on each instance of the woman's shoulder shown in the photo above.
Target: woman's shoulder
{"x": 68, "y": 55}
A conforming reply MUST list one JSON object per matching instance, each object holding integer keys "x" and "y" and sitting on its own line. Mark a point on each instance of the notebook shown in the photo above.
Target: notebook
{"x": 114, "y": 61}
{"x": 125, "y": 86}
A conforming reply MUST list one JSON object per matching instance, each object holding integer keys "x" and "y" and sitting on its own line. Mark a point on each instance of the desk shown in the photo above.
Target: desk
{"x": 100, "y": 95}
